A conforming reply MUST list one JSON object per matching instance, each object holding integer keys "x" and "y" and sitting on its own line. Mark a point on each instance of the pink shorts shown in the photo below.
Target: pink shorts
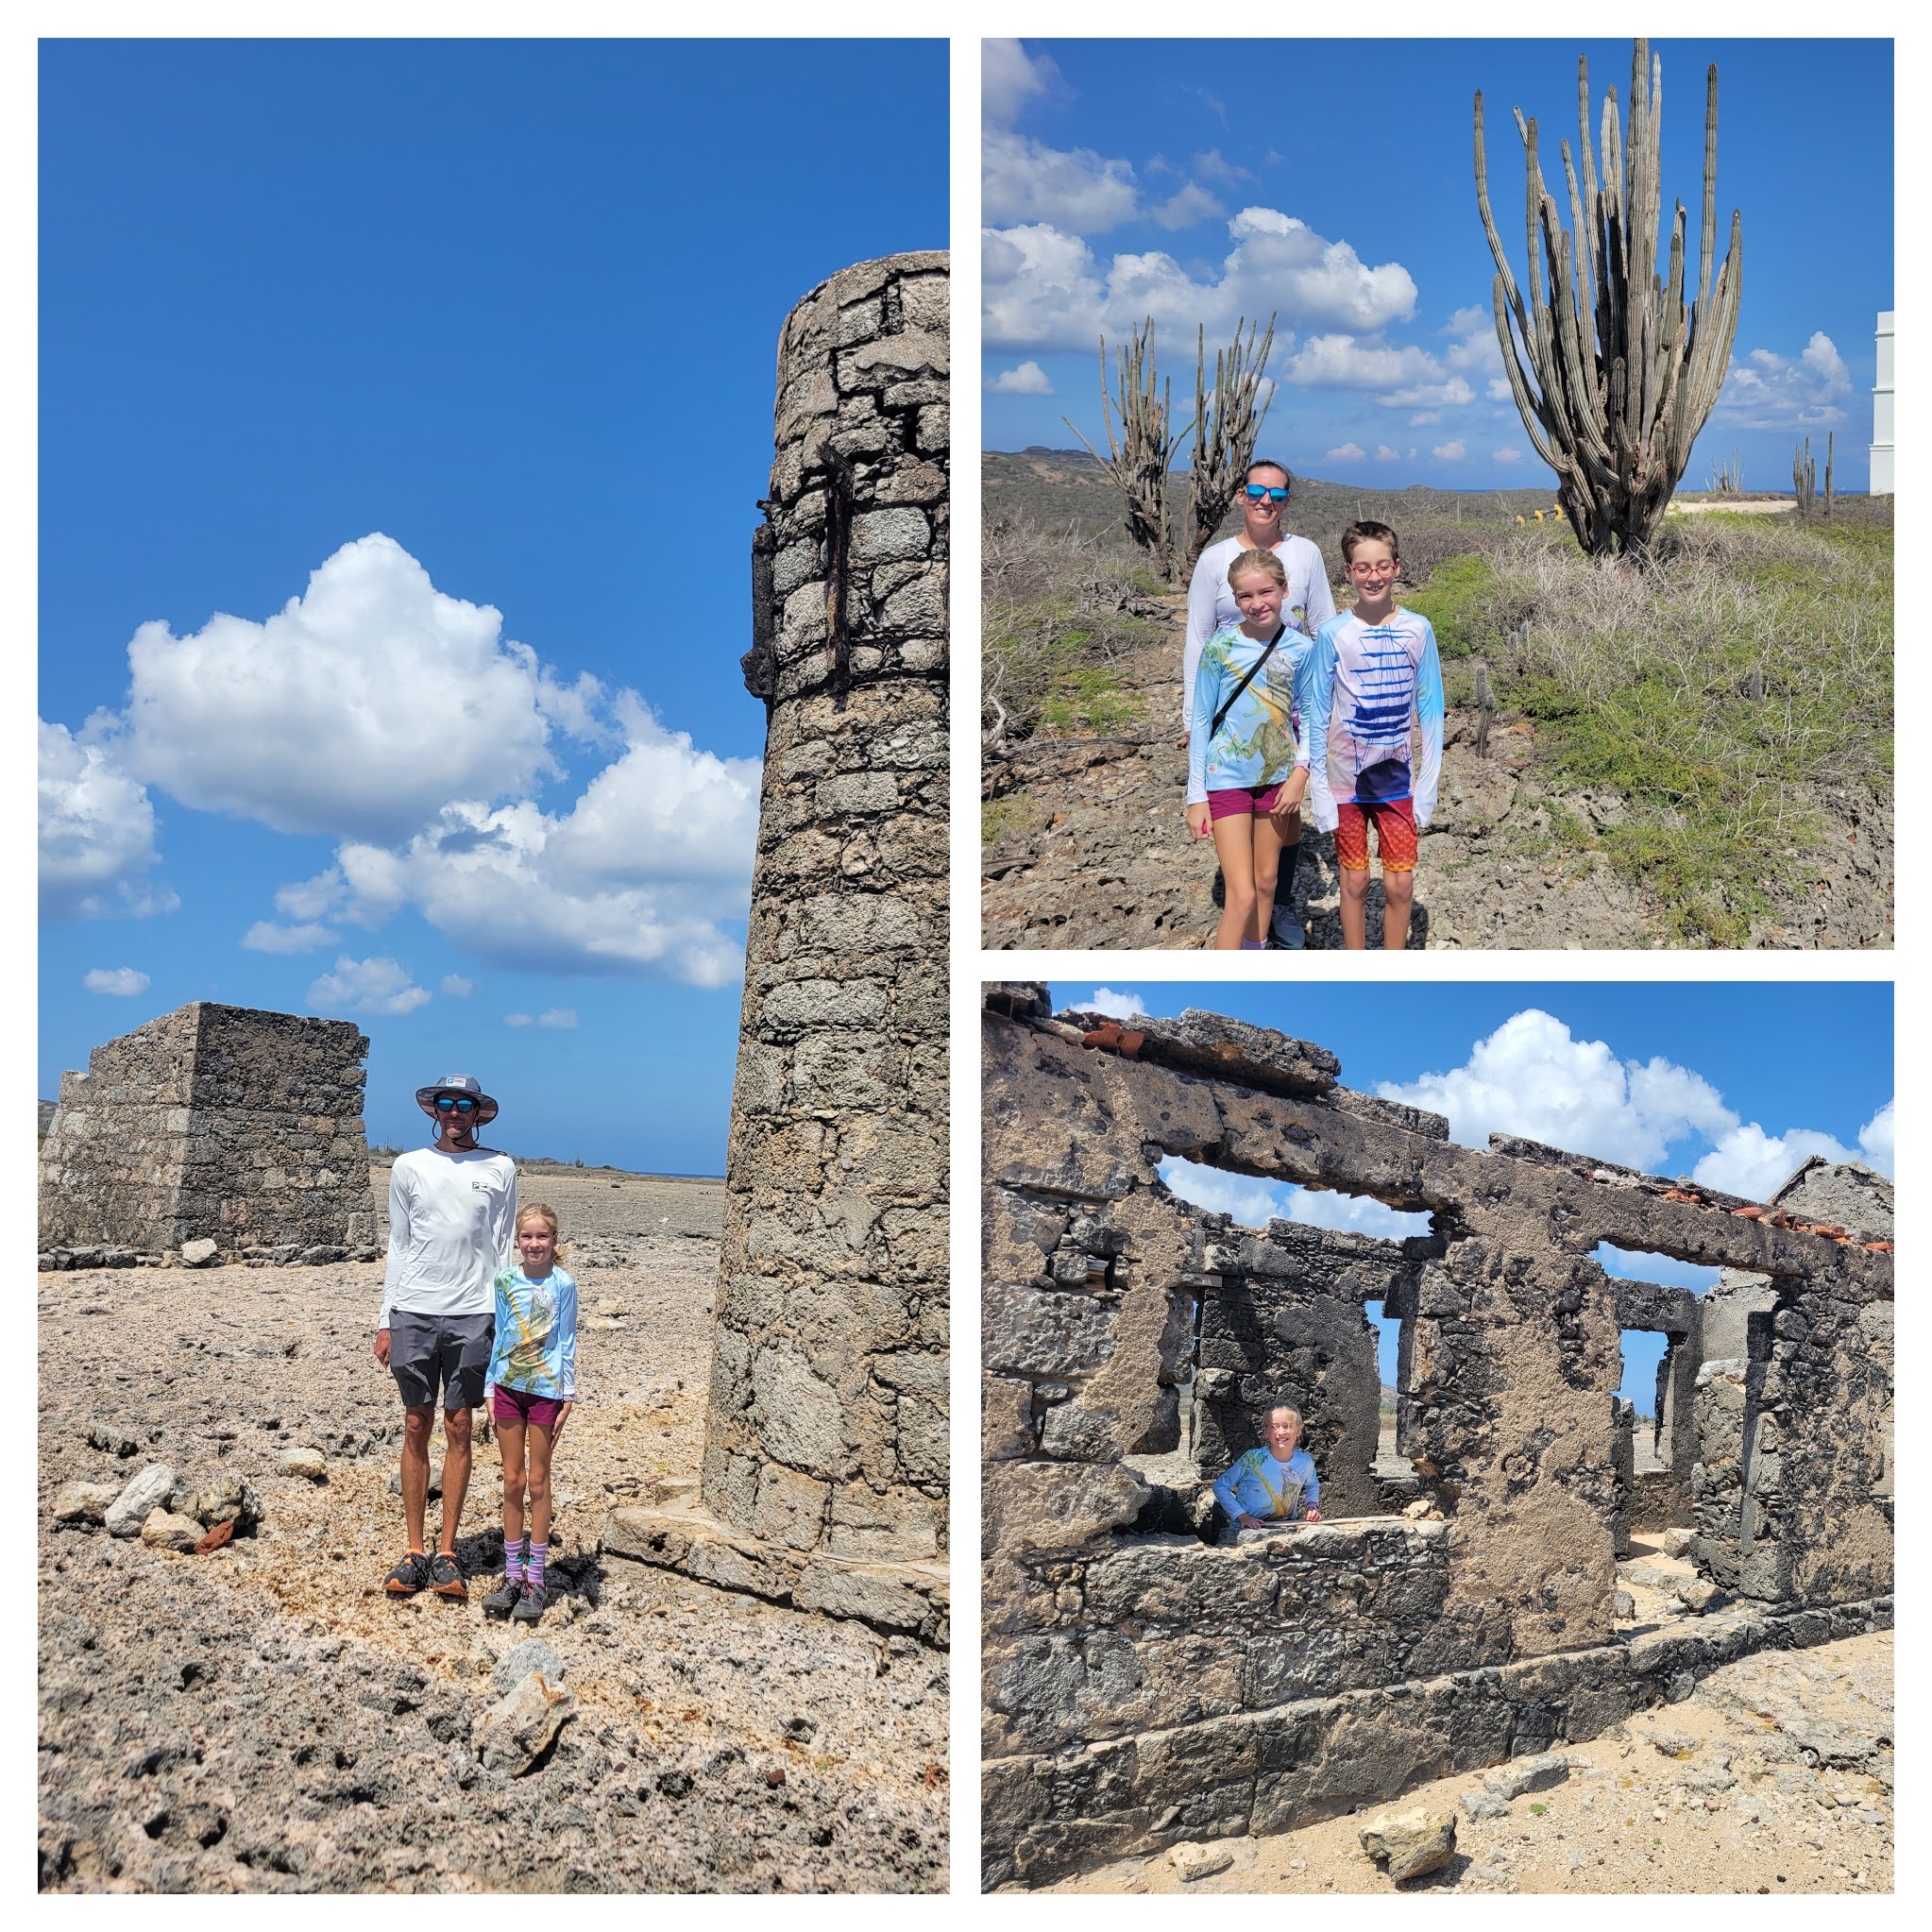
{"x": 1243, "y": 801}
{"x": 514, "y": 1405}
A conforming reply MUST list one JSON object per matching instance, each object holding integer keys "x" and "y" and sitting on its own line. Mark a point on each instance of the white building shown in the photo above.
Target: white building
{"x": 1881, "y": 410}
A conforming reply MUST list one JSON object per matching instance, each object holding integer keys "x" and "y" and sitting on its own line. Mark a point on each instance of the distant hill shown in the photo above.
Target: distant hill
{"x": 1055, "y": 486}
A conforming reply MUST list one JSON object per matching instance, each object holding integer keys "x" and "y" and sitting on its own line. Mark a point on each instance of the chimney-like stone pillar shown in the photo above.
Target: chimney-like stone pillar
{"x": 827, "y": 1430}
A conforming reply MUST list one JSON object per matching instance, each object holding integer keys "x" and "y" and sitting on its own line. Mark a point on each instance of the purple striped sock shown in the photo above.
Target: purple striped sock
{"x": 512, "y": 1560}
{"x": 538, "y": 1551}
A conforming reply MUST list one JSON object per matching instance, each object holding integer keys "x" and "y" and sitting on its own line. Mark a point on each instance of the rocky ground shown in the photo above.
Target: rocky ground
{"x": 1774, "y": 1776}
{"x": 262, "y": 1718}
{"x": 1089, "y": 849}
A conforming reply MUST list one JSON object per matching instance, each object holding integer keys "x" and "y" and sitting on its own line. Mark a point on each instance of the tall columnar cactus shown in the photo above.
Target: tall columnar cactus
{"x": 1227, "y": 425}
{"x": 1140, "y": 460}
{"x": 1612, "y": 375}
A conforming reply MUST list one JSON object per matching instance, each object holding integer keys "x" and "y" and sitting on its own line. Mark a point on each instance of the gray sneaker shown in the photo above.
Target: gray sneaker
{"x": 502, "y": 1600}
{"x": 532, "y": 1604}
{"x": 1285, "y": 932}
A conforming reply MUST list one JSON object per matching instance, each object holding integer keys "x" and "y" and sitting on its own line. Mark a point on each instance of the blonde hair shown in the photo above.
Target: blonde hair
{"x": 542, "y": 1211}
{"x": 1258, "y": 564}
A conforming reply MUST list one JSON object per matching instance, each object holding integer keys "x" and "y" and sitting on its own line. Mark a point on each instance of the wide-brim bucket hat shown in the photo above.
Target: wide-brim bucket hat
{"x": 458, "y": 1083}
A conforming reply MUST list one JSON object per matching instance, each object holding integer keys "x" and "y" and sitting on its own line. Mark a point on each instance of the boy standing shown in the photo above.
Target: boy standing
{"x": 1370, "y": 687}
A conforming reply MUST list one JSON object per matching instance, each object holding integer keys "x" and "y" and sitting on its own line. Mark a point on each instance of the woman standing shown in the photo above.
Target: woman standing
{"x": 1210, "y": 608}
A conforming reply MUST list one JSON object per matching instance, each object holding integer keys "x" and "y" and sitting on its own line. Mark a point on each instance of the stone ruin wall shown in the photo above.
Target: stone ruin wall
{"x": 1140, "y": 1687}
{"x": 826, "y": 1472}
{"x": 212, "y": 1123}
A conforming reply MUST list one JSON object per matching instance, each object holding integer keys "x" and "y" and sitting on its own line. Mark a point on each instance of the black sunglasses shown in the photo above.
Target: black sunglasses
{"x": 463, "y": 1105}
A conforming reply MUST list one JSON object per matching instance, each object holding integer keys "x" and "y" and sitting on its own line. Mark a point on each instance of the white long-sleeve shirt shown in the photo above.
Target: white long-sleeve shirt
{"x": 452, "y": 1223}
{"x": 1210, "y": 606}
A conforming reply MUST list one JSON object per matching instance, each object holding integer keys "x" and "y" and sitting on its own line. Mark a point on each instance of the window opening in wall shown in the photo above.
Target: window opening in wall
{"x": 1284, "y": 1316}
{"x": 1393, "y": 1470}
{"x": 1645, "y": 1352}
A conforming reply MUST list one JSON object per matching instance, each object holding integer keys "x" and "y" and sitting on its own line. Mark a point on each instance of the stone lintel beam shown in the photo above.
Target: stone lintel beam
{"x": 1096, "y": 1108}
{"x": 1210, "y": 1044}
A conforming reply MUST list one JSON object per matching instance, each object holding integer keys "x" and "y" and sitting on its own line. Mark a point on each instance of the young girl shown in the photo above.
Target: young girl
{"x": 533, "y": 1370}
{"x": 1244, "y": 777}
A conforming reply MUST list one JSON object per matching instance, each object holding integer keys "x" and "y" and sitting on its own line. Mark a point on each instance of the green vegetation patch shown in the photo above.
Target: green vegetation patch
{"x": 1750, "y": 658}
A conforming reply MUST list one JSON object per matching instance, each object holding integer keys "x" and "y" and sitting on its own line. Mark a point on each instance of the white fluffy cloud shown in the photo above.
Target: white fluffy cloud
{"x": 1346, "y": 452}
{"x": 1009, "y": 77}
{"x": 1450, "y": 451}
{"x": 377, "y": 985}
{"x": 264, "y": 935}
{"x": 455, "y": 987}
{"x": 1749, "y": 1162}
{"x": 558, "y": 1019}
{"x": 358, "y": 709}
{"x": 1030, "y": 378}
{"x": 1531, "y": 1078}
{"x": 1042, "y": 287}
{"x": 1116, "y": 1005}
{"x": 1628, "y": 1265}
{"x": 1767, "y": 391}
{"x": 635, "y": 877}
{"x": 1022, "y": 179}
{"x": 123, "y": 982}
{"x": 1505, "y": 455}
{"x": 1398, "y": 377}
{"x": 1186, "y": 207}
{"x": 97, "y": 833}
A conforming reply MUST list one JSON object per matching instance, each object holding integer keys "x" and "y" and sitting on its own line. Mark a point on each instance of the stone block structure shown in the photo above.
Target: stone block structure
{"x": 825, "y": 1474}
{"x": 1142, "y": 1686}
{"x": 216, "y": 1123}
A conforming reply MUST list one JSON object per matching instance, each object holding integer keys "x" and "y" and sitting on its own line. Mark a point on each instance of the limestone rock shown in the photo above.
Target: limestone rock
{"x": 1410, "y": 1844}
{"x": 200, "y": 1254}
{"x": 1701, "y": 1595}
{"x": 165, "y": 1531}
{"x": 149, "y": 1491}
{"x": 84, "y": 1503}
{"x": 224, "y": 1498}
{"x": 512, "y": 1734}
{"x": 1523, "y": 1774}
{"x": 517, "y": 1662}
{"x": 300, "y": 1461}
{"x": 1676, "y": 1542}
{"x": 1622, "y": 1605}
{"x": 1192, "y": 1861}
{"x": 1484, "y": 1805}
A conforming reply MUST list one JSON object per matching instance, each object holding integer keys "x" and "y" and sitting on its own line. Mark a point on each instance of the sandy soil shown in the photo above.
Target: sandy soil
{"x": 1774, "y": 1777}
{"x": 264, "y": 1719}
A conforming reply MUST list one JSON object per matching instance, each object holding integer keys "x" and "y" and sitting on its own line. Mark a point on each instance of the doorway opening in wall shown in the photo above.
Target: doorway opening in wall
{"x": 1646, "y": 1355}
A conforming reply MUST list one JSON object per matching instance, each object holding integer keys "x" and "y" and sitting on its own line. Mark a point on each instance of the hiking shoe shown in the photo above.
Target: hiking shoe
{"x": 1286, "y": 933}
{"x": 446, "y": 1579}
{"x": 409, "y": 1576}
{"x": 532, "y": 1604}
{"x": 502, "y": 1600}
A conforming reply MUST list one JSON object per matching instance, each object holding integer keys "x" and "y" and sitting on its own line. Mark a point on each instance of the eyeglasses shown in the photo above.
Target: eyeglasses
{"x": 1257, "y": 491}
{"x": 1373, "y": 569}
{"x": 446, "y": 1102}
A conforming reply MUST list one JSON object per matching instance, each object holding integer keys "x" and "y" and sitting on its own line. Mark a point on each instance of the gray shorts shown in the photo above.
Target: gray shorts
{"x": 449, "y": 1352}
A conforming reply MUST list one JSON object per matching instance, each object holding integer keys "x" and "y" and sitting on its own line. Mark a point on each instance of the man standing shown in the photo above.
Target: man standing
{"x": 452, "y": 1222}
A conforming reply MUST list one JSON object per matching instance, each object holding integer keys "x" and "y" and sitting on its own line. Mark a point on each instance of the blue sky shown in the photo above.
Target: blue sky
{"x": 1129, "y": 177}
{"x": 1731, "y": 1084}
{"x": 404, "y": 411}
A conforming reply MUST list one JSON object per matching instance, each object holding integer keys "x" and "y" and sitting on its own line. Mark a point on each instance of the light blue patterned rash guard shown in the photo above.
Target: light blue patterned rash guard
{"x": 536, "y": 1336}
{"x": 1257, "y": 1485}
{"x": 1367, "y": 692}
{"x": 1256, "y": 745}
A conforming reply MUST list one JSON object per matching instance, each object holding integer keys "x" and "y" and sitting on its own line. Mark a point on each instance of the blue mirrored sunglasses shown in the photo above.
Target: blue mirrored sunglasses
{"x": 1257, "y": 491}
{"x": 462, "y": 1104}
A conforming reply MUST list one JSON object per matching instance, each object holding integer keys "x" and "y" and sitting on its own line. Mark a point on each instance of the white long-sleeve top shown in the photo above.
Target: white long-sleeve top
{"x": 1210, "y": 606}
{"x": 452, "y": 1223}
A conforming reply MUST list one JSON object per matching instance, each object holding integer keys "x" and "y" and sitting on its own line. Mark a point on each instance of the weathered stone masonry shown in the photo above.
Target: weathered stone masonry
{"x": 825, "y": 1472}
{"x": 212, "y": 1123}
{"x": 1140, "y": 1688}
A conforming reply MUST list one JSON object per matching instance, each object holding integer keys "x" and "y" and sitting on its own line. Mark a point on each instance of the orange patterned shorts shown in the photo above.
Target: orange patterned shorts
{"x": 1395, "y": 835}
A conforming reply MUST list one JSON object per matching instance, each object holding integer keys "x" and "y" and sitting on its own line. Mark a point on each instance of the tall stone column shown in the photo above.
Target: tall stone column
{"x": 825, "y": 1463}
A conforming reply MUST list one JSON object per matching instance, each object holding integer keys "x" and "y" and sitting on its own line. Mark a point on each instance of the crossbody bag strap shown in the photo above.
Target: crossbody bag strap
{"x": 1253, "y": 670}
